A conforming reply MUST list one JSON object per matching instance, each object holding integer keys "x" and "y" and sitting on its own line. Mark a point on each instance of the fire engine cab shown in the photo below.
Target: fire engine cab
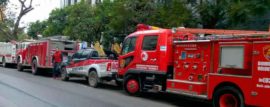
{"x": 229, "y": 67}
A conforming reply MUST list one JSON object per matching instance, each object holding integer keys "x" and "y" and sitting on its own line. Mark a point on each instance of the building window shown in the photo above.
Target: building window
{"x": 69, "y": 2}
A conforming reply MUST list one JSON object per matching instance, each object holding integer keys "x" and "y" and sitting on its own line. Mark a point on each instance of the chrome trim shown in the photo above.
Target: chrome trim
{"x": 230, "y": 75}
{"x": 188, "y": 82}
{"x": 261, "y": 42}
{"x": 232, "y": 42}
{"x": 181, "y": 92}
{"x": 191, "y": 41}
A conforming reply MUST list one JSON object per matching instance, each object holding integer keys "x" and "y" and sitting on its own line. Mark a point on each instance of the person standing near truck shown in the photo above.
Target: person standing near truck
{"x": 57, "y": 60}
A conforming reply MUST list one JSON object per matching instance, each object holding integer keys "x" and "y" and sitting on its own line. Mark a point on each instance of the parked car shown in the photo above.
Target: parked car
{"x": 87, "y": 63}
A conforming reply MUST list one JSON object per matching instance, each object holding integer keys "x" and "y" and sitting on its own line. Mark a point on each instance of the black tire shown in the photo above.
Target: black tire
{"x": 34, "y": 67}
{"x": 128, "y": 79}
{"x": 64, "y": 74}
{"x": 228, "y": 96}
{"x": 93, "y": 79}
{"x": 19, "y": 65}
{"x": 4, "y": 64}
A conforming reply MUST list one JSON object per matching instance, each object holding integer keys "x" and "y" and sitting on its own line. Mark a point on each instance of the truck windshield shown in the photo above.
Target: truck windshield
{"x": 129, "y": 45}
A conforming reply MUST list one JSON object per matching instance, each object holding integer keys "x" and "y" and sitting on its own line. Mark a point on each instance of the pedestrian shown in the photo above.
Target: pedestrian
{"x": 57, "y": 60}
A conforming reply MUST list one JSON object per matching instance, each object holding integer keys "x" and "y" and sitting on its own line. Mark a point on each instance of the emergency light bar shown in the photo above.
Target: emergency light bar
{"x": 141, "y": 27}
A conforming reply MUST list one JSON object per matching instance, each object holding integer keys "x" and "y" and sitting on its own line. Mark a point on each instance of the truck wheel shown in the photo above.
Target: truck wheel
{"x": 132, "y": 85}
{"x": 64, "y": 74}
{"x": 34, "y": 67}
{"x": 4, "y": 62}
{"x": 228, "y": 97}
{"x": 19, "y": 65}
{"x": 93, "y": 79}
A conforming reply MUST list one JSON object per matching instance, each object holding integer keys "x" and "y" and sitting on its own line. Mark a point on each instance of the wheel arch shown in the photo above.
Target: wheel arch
{"x": 2, "y": 59}
{"x": 230, "y": 84}
{"x": 133, "y": 72}
{"x": 19, "y": 57}
{"x": 35, "y": 58}
{"x": 96, "y": 68}
{"x": 92, "y": 69}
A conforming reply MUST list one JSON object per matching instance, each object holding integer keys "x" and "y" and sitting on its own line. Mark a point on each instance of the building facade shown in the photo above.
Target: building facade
{"x": 65, "y": 3}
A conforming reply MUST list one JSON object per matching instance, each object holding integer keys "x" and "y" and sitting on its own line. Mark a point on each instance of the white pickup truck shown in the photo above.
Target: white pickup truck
{"x": 87, "y": 63}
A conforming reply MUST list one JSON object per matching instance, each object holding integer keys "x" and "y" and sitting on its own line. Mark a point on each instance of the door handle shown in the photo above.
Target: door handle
{"x": 154, "y": 59}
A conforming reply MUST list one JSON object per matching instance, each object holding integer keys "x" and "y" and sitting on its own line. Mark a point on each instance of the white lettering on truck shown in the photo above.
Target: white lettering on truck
{"x": 263, "y": 66}
{"x": 264, "y": 80}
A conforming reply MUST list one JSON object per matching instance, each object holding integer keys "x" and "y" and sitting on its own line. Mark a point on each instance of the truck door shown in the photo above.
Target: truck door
{"x": 261, "y": 72}
{"x": 83, "y": 64}
{"x": 148, "y": 53}
{"x": 127, "y": 59}
{"x": 75, "y": 62}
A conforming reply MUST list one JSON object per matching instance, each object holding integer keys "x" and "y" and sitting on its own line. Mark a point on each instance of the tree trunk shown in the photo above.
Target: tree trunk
{"x": 23, "y": 11}
{"x": 16, "y": 27}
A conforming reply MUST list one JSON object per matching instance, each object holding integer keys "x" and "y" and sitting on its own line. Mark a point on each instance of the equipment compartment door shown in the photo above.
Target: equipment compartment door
{"x": 261, "y": 72}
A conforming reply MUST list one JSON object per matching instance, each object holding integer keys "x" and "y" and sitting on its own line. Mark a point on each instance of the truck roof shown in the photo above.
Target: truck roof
{"x": 146, "y": 32}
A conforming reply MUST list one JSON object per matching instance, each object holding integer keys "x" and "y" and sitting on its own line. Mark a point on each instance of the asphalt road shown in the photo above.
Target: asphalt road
{"x": 22, "y": 89}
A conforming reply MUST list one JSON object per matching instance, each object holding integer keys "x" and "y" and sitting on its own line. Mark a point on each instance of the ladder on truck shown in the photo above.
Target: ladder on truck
{"x": 223, "y": 34}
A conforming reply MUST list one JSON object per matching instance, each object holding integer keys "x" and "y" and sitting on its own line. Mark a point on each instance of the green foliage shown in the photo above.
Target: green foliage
{"x": 80, "y": 22}
{"x": 36, "y": 28}
{"x": 5, "y": 31}
{"x": 229, "y": 13}
{"x": 119, "y": 18}
{"x": 56, "y": 23}
{"x": 172, "y": 14}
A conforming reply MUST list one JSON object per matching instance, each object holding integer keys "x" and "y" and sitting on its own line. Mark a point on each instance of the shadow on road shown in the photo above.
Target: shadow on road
{"x": 42, "y": 72}
{"x": 174, "y": 99}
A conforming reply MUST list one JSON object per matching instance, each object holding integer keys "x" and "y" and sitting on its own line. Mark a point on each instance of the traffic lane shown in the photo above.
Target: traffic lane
{"x": 12, "y": 97}
{"x": 67, "y": 94}
{"x": 46, "y": 90}
{"x": 77, "y": 93}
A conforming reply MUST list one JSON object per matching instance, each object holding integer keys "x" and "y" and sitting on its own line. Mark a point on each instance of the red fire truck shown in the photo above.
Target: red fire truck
{"x": 229, "y": 67}
{"x": 38, "y": 55}
{"x": 8, "y": 53}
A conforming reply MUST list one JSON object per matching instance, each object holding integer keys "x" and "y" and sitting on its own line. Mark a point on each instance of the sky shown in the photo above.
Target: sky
{"x": 42, "y": 9}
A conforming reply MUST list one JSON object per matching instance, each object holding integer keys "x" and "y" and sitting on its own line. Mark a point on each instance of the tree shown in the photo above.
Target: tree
{"x": 229, "y": 13}
{"x": 12, "y": 30}
{"x": 56, "y": 23}
{"x": 25, "y": 8}
{"x": 36, "y": 28}
{"x": 79, "y": 22}
{"x": 119, "y": 18}
{"x": 3, "y": 28}
{"x": 5, "y": 31}
{"x": 3, "y": 3}
{"x": 172, "y": 13}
